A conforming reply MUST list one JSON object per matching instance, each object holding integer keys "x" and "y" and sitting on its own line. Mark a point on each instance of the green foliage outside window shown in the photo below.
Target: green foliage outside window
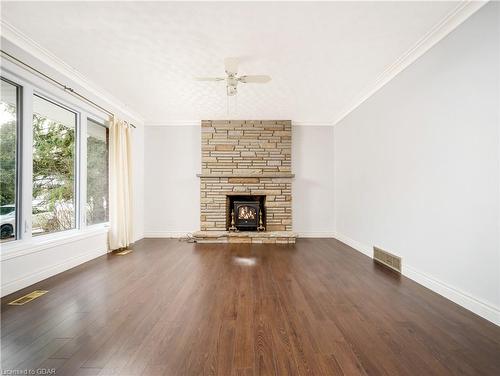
{"x": 8, "y": 156}
{"x": 97, "y": 176}
{"x": 53, "y": 175}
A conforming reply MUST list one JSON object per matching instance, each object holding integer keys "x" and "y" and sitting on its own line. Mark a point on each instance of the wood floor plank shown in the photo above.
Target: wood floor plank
{"x": 177, "y": 308}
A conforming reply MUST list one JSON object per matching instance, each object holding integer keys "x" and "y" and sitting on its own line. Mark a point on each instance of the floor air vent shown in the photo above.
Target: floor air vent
{"x": 28, "y": 298}
{"x": 387, "y": 259}
{"x": 124, "y": 252}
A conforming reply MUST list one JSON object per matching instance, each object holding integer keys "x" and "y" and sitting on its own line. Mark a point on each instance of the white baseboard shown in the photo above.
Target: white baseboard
{"x": 483, "y": 309}
{"x": 139, "y": 237}
{"x": 166, "y": 234}
{"x": 316, "y": 234}
{"x": 50, "y": 271}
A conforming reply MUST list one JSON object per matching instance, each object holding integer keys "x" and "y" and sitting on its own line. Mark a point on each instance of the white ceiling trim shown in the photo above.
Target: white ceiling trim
{"x": 180, "y": 123}
{"x": 449, "y": 23}
{"x": 311, "y": 124}
{"x": 187, "y": 123}
{"x": 15, "y": 36}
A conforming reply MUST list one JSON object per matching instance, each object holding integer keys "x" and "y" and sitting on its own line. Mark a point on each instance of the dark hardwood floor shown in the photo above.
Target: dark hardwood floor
{"x": 176, "y": 308}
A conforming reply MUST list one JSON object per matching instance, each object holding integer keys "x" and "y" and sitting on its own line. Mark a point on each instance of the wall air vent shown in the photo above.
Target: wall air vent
{"x": 28, "y": 298}
{"x": 387, "y": 259}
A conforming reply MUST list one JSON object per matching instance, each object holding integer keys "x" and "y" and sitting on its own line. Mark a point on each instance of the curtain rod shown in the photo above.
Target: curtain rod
{"x": 61, "y": 85}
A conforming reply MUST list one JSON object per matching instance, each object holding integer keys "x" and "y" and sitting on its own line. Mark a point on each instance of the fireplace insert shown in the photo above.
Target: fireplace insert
{"x": 247, "y": 212}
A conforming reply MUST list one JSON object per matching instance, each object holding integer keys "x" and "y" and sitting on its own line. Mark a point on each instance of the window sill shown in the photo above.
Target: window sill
{"x": 36, "y": 244}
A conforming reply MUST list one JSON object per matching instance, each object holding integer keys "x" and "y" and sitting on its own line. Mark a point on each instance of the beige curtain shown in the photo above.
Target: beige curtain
{"x": 120, "y": 184}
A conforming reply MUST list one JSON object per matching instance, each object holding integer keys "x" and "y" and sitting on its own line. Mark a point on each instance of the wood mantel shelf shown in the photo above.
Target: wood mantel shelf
{"x": 263, "y": 175}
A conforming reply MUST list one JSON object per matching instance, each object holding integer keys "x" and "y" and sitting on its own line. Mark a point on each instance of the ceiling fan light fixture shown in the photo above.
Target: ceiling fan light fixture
{"x": 231, "y": 90}
{"x": 232, "y": 79}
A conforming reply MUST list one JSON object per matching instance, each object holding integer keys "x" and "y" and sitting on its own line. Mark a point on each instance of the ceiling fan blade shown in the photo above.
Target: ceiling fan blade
{"x": 255, "y": 79}
{"x": 209, "y": 78}
{"x": 231, "y": 65}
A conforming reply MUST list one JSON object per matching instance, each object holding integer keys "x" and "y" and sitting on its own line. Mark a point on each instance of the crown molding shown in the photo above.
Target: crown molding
{"x": 186, "y": 123}
{"x": 178, "y": 123}
{"x": 13, "y": 35}
{"x": 311, "y": 124}
{"x": 450, "y": 22}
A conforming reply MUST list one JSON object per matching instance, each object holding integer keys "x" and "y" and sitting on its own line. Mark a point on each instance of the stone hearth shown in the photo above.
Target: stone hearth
{"x": 246, "y": 158}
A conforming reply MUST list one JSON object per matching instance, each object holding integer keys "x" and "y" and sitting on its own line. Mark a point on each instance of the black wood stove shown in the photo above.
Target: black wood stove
{"x": 247, "y": 212}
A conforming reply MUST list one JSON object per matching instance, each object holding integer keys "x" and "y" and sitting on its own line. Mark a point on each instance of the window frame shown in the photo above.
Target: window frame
{"x": 76, "y": 164}
{"x": 30, "y": 84}
{"x": 18, "y": 165}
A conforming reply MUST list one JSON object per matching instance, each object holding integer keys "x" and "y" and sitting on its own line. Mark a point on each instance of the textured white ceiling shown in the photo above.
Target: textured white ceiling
{"x": 320, "y": 55}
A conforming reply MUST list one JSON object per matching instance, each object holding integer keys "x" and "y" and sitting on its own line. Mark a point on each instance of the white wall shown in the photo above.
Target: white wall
{"x": 138, "y": 168}
{"x": 172, "y": 159}
{"x": 312, "y": 163}
{"x": 172, "y": 190}
{"x": 417, "y": 167}
{"x": 37, "y": 262}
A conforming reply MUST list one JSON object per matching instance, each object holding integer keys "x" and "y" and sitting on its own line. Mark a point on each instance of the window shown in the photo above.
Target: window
{"x": 9, "y": 120}
{"x": 54, "y": 171}
{"x": 97, "y": 172}
{"x": 54, "y": 156}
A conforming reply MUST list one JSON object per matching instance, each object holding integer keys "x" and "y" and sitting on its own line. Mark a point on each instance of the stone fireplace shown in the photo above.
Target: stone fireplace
{"x": 246, "y": 178}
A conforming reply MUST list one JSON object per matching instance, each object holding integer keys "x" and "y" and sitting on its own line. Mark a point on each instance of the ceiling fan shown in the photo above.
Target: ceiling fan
{"x": 232, "y": 79}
